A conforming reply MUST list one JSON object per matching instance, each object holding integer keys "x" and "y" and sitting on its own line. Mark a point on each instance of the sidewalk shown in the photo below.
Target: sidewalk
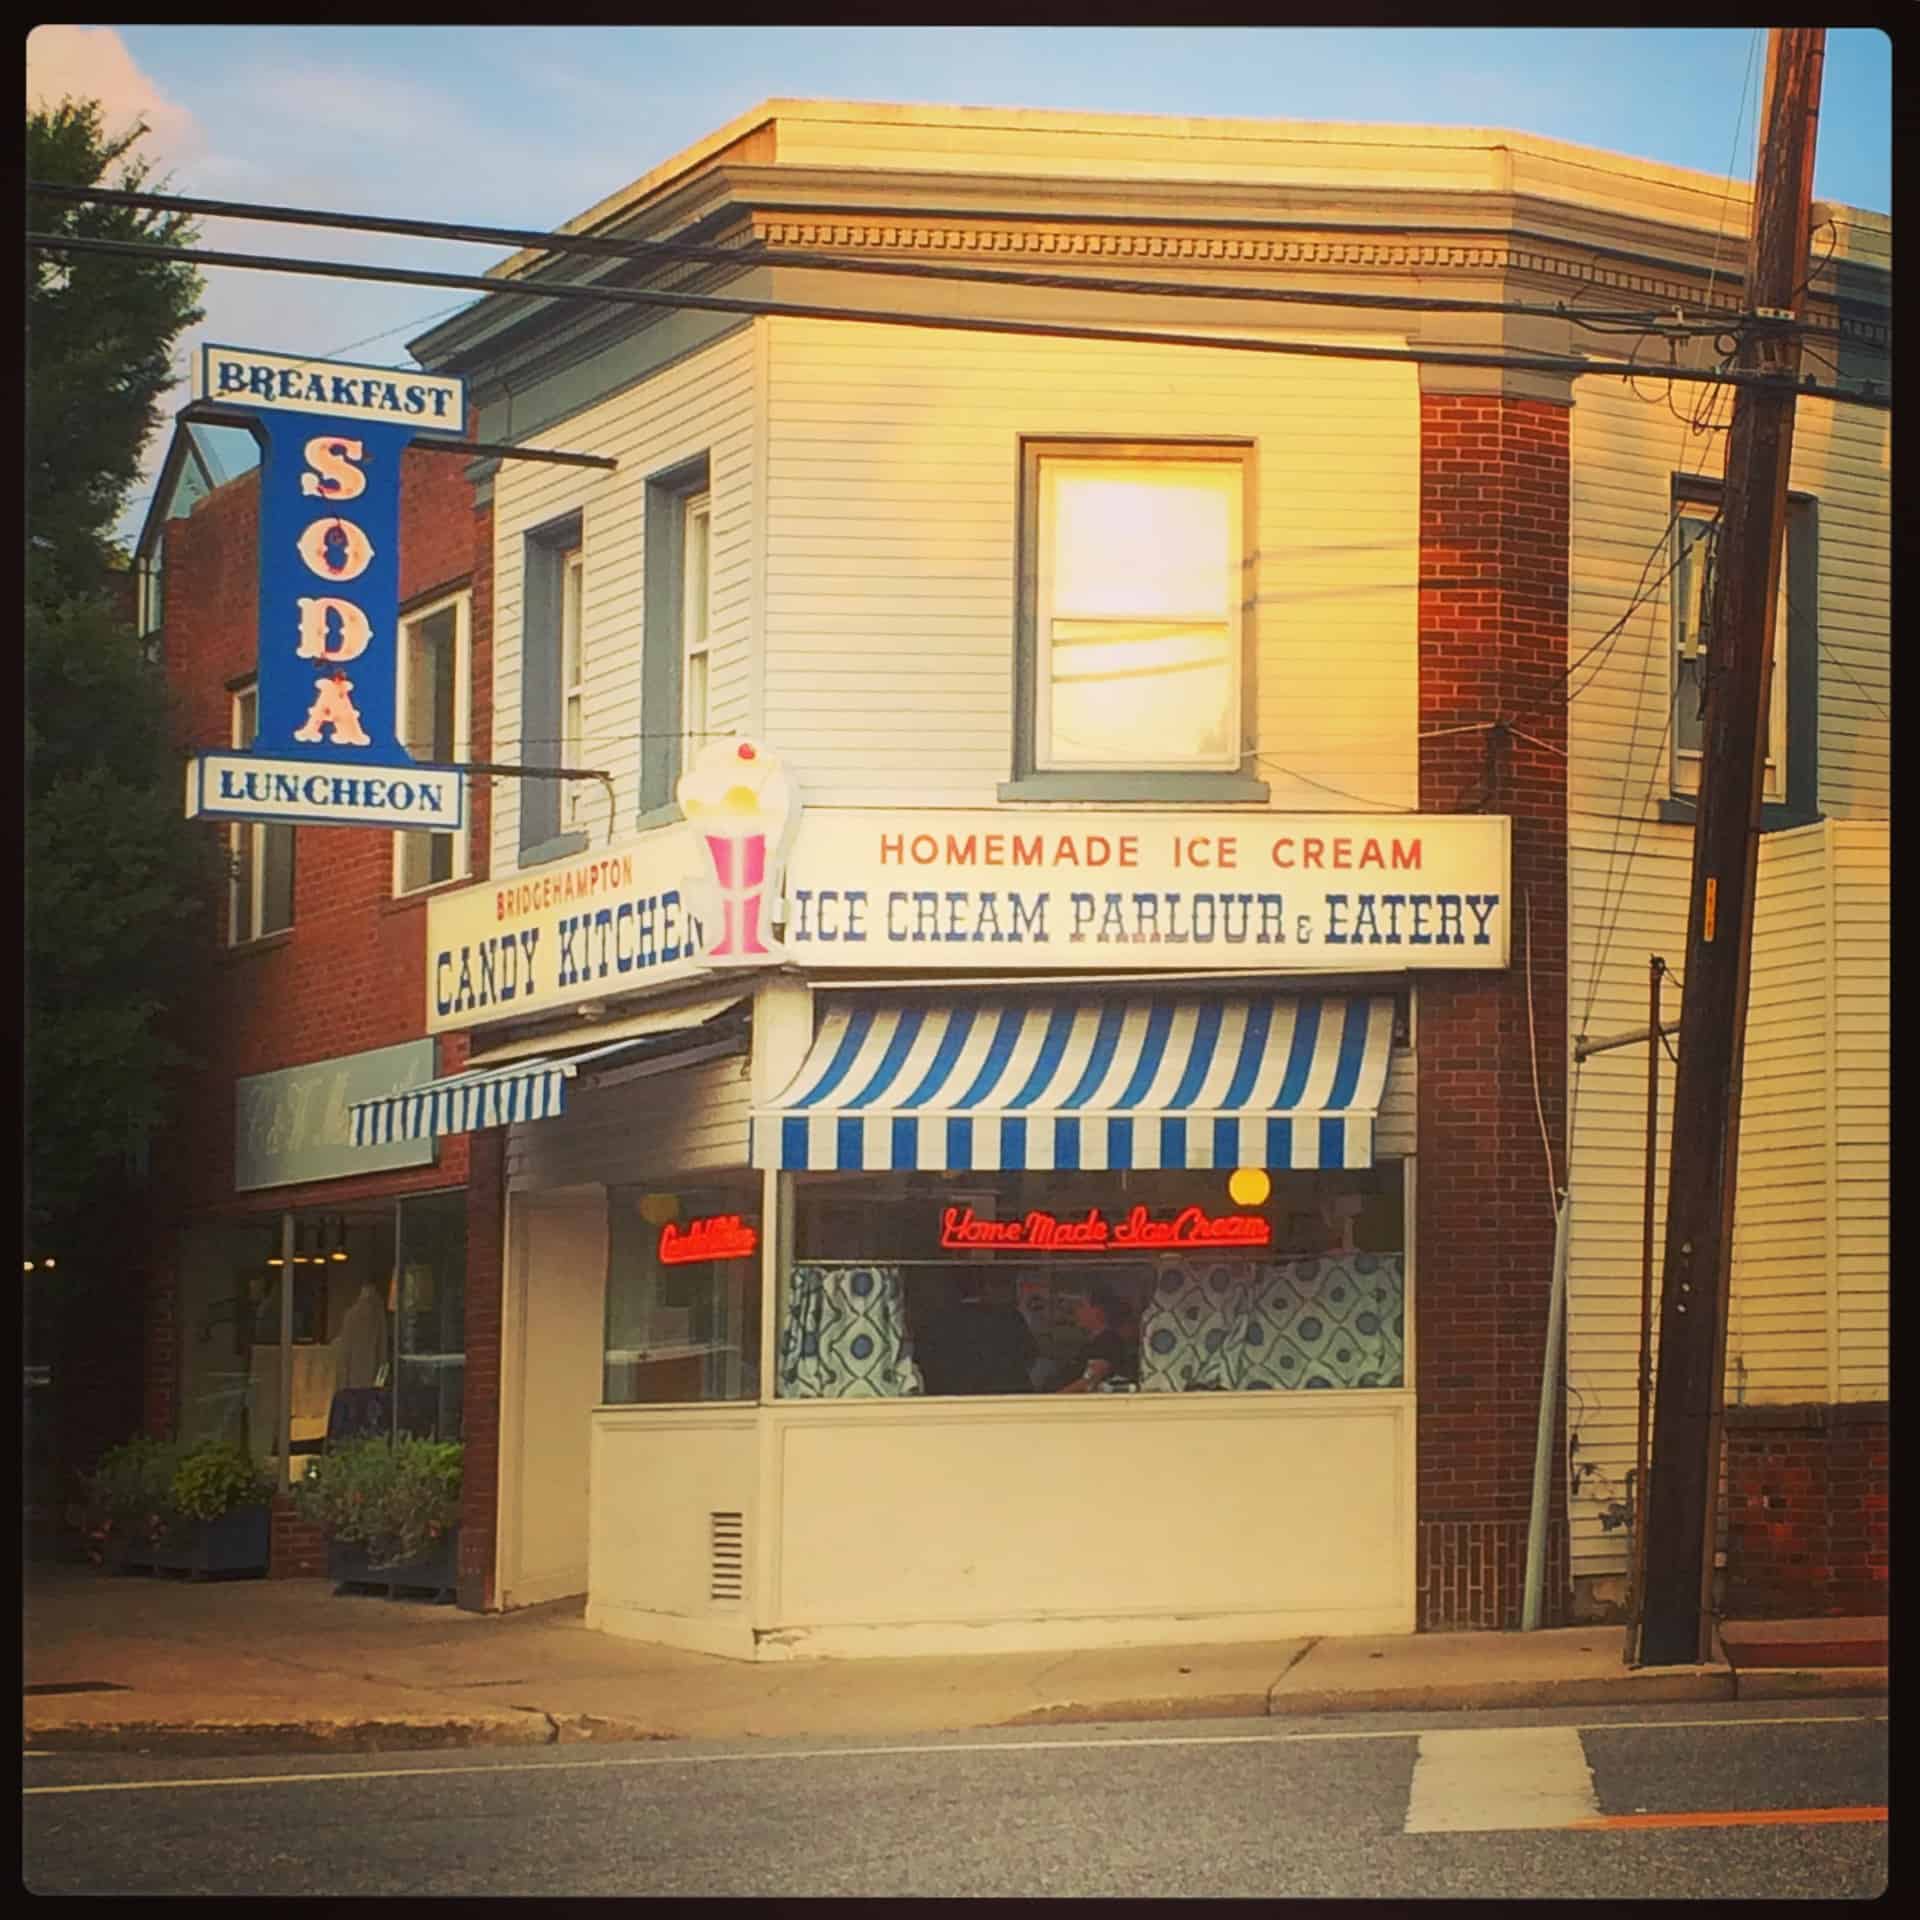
{"x": 132, "y": 1662}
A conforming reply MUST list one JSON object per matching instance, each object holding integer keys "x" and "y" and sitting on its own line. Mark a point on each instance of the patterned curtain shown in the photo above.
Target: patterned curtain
{"x": 1336, "y": 1321}
{"x": 845, "y": 1336}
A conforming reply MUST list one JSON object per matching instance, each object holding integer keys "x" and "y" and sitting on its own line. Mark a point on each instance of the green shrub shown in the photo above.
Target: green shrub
{"x": 217, "y": 1477}
{"x": 151, "y": 1491}
{"x": 130, "y": 1493}
{"x": 394, "y": 1498}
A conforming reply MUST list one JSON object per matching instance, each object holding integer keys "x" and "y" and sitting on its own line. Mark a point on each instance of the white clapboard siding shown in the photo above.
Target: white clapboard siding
{"x": 691, "y": 1120}
{"x": 1862, "y": 1049}
{"x": 893, "y": 508}
{"x": 1808, "y": 1312}
{"x": 1802, "y": 1216}
{"x": 704, "y": 403}
{"x": 1395, "y": 1131}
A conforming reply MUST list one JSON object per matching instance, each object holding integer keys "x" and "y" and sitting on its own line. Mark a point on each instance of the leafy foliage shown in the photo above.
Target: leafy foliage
{"x": 155, "y": 1490}
{"x": 393, "y": 1498}
{"x": 216, "y": 1478}
{"x": 100, "y": 334}
{"x": 117, "y": 879}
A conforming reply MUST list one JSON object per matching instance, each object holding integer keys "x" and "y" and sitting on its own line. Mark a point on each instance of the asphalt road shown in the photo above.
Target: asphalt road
{"x": 1399, "y": 1806}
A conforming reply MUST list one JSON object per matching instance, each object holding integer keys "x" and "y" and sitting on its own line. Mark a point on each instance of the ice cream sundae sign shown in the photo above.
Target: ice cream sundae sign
{"x": 740, "y": 810}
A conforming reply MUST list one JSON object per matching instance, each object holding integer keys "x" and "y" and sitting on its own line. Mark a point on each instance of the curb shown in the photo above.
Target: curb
{"x": 1470, "y": 1695}
{"x": 403, "y": 1733}
{"x": 1076, "y": 1713}
{"x": 411, "y": 1733}
{"x": 1807, "y": 1683}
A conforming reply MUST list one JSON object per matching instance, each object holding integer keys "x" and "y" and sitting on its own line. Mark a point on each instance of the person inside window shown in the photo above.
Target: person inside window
{"x": 1106, "y": 1357}
{"x": 1001, "y": 1344}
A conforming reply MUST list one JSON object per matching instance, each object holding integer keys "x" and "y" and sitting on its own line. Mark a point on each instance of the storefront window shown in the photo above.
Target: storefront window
{"x": 379, "y": 1325}
{"x": 683, "y": 1293}
{"x": 1045, "y": 1282}
{"x": 430, "y": 1324}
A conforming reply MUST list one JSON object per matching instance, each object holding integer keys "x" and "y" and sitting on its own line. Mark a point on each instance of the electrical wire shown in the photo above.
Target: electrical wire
{"x": 1568, "y": 365}
{"x": 671, "y": 252}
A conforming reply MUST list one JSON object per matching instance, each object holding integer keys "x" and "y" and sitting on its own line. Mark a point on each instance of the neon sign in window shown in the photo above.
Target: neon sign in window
{"x": 721, "y": 1236}
{"x": 1094, "y": 1232}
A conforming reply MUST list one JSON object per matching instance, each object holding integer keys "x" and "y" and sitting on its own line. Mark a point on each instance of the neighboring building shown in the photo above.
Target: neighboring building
{"x": 1292, "y": 640}
{"x": 310, "y": 998}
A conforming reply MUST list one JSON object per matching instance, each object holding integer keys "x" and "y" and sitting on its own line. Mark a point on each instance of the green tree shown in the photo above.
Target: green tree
{"x": 100, "y": 334}
{"x": 116, "y": 876}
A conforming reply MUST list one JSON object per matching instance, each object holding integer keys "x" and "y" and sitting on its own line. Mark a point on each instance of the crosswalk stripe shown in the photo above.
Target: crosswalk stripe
{"x": 1500, "y": 1780}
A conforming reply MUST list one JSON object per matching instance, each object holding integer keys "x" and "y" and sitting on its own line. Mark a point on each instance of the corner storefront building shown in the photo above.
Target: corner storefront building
{"x": 1222, "y": 781}
{"x": 852, "y": 1306}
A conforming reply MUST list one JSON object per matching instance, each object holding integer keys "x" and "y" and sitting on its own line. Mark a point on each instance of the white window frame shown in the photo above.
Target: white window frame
{"x": 1231, "y": 465}
{"x": 461, "y": 604}
{"x": 573, "y": 681}
{"x": 1683, "y": 643}
{"x": 246, "y": 919}
{"x": 696, "y": 625}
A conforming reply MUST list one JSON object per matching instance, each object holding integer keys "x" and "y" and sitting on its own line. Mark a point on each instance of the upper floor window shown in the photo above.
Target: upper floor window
{"x": 553, "y": 690}
{"x": 676, "y": 661}
{"x": 435, "y": 691}
{"x": 1696, "y": 537}
{"x": 1137, "y": 566}
{"x": 150, "y": 582}
{"x": 260, "y": 857}
{"x": 573, "y": 684}
{"x": 696, "y": 552}
{"x": 1790, "y": 792}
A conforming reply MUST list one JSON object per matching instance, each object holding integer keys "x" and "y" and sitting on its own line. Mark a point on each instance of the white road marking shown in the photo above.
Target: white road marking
{"x": 1499, "y": 1780}
{"x": 851, "y": 1753}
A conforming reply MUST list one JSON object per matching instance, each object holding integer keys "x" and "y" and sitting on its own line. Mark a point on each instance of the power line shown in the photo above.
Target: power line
{"x": 680, "y": 251}
{"x": 1568, "y": 365}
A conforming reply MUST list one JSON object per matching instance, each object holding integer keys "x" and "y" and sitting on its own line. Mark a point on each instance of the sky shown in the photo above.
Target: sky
{"x": 528, "y": 126}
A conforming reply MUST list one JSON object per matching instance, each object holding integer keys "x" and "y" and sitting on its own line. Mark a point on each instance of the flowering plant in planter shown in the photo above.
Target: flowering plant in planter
{"x": 397, "y": 1499}
{"x": 147, "y": 1493}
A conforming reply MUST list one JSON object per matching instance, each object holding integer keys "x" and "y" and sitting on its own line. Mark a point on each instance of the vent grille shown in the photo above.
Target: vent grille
{"x": 726, "y": 1556}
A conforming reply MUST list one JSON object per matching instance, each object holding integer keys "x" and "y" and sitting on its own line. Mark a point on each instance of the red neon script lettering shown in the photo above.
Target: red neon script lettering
{"x": 723, "y": 1237}
{"x": 1046, "y": 1233}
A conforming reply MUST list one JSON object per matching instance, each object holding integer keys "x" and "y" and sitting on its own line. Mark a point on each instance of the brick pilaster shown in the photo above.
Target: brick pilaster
{"x": 1493, "y": 639}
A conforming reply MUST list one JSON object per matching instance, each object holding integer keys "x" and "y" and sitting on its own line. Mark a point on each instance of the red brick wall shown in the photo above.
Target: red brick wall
{"x": 1493, "y": 640}
{"x": 296, "y": 1548}
{"x": 1806, "y": 1511}
{"x": 350, "y": 973}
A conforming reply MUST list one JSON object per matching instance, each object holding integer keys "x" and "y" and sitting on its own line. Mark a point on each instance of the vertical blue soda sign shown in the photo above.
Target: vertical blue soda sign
{"x": 328, "y": 747}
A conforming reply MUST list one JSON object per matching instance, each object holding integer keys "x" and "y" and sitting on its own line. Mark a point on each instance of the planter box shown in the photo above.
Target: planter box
{"x": 433, "y": 1572}
{"x": 236, "y": 1543}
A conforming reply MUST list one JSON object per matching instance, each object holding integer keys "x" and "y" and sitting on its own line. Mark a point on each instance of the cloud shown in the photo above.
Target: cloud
{"x": 92, "y": 63}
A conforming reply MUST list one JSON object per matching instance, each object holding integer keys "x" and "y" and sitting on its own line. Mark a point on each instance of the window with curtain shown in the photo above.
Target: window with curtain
{"x": 1045, "y": 1282}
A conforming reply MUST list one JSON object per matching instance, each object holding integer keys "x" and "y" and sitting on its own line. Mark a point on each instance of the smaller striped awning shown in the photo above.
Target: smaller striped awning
{"x": 534, "y": 1088}
{"x": 1085, "y": 1082}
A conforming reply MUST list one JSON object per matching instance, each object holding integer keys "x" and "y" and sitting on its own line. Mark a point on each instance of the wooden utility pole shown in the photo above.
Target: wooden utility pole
{"x": 1688, "y": 1401}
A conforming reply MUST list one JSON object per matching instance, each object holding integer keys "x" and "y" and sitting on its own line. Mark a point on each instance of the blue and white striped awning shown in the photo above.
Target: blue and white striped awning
{"x": 534, "y": 1089}
{"x": 1082, "y": 1082}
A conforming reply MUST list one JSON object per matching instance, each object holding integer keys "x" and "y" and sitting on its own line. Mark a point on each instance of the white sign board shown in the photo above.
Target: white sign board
{"x": 882, "y": 889}
{"x": 246, "y": 786}
{"x": 1101, "y": 891}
